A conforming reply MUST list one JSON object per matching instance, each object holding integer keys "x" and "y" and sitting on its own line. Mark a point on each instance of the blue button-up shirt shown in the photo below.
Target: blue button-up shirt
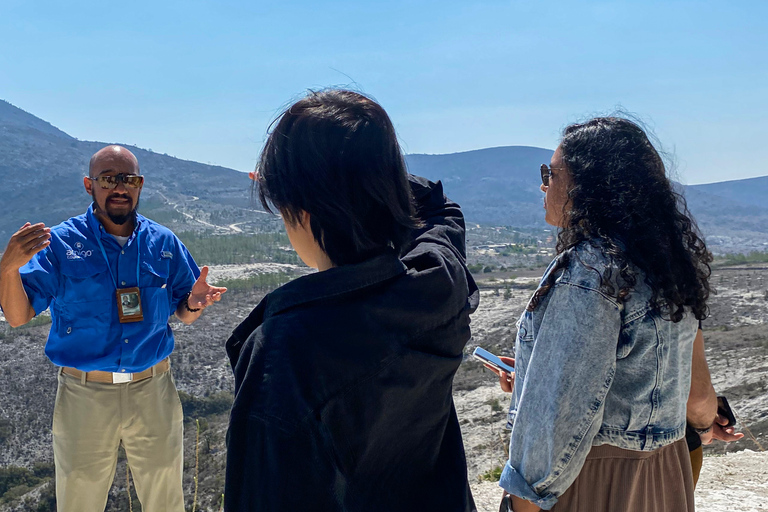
{"x": 72, "y": 277}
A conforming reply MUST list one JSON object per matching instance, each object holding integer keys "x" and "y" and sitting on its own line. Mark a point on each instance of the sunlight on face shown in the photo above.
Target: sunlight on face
{"x": 556, "y": 194}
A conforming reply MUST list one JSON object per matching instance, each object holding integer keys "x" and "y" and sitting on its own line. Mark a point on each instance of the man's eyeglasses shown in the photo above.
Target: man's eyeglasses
{"x": 546, "y": 173}
{"x": 110, "y": 182}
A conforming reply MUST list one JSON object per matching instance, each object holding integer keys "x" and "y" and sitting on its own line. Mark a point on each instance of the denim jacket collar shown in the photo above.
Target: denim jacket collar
{"x": 335, "y": 281}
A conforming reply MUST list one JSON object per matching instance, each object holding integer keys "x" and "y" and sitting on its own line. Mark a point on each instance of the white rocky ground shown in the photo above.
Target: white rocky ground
{"x": 737, "y": 341}
{"x": 732, "y": 482}
{"x": 219, "y": 273}
{"x": 735, "y": 481}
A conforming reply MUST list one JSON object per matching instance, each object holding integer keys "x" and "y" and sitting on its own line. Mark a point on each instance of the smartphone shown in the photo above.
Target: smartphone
{"x": 491, "y": 360}
{"x": 724, "y": 410}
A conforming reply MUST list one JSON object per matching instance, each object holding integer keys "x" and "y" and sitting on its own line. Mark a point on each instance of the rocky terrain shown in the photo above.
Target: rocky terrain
{"x": 736, "y": 337}
{"x": 737, "y": 348}
{"x": 496, "y": 185}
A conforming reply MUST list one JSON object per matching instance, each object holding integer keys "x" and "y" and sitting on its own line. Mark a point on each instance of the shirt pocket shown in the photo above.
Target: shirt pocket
{"x": 155, "y": 291}
{"x": 85, "y": 300}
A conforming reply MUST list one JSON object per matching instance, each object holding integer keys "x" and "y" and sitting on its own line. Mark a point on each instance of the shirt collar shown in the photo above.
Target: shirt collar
{"x": 335, "y": 281}
{"x": 99, "y": 231}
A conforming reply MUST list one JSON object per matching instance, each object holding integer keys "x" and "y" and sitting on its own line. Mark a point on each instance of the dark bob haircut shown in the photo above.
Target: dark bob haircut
{"x": 622, "y": 201}
{"x": 335, "y": 155}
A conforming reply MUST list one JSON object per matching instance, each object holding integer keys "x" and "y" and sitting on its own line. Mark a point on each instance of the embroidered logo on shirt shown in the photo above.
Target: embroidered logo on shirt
{"x": 166, "y": 254}
{"x": 78, "y": 253}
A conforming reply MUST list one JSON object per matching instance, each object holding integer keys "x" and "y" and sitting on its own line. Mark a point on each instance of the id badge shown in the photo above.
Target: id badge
{"x": 129, "y": 305}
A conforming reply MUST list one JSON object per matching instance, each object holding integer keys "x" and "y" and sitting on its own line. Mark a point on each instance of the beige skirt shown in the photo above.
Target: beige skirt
{"x": 617, "y": 480}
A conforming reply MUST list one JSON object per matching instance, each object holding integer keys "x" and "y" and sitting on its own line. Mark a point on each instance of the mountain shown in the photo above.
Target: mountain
{"x": 41, "y": 170}
{"x": 494, "y": 186}
{"x": 734, "y": 221}
{"x": 752, "y": 191}
{"x": 501, "y": 186}
{"x": 11, "y": 116}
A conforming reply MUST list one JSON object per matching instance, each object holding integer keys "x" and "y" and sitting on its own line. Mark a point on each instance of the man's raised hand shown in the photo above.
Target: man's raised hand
{"x": 203, "y": 294}
{"x": 23, "y": 245}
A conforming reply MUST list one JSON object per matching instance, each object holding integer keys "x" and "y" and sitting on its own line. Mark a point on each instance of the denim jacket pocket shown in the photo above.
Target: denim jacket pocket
{"x": 525, "y": 326}
{"x": 524, "y": 344}
{"x": 511, "y": 415}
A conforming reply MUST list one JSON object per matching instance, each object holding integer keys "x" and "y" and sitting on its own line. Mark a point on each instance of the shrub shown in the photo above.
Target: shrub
{"x": 195, "y": 407}
{"x": 492, "y": 475}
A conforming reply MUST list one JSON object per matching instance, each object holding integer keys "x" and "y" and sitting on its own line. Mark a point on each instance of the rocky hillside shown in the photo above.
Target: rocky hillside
{"x": 41, "y": 170}
{"x": 737, "y": 348}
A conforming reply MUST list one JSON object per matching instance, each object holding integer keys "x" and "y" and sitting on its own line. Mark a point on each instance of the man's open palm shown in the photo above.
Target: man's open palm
{"x": 203, "y": 294}
{"x": 24, "y": 244}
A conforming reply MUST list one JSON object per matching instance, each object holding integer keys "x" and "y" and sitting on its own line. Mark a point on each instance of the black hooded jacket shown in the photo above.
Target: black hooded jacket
{"x": 343, "y": 381}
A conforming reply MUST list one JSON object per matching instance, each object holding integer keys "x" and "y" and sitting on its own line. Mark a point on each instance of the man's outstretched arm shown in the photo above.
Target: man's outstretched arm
{"x": 200, "y": 297}
{"x": 24, "y": 244}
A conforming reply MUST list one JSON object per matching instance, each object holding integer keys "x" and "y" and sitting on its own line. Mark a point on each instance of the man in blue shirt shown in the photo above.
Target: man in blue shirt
{"x": 111, "y": 279}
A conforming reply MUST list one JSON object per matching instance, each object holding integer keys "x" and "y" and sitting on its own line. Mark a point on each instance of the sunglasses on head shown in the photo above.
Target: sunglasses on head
{"x": 546, "y": 173}
{"x": 110, "y": 182}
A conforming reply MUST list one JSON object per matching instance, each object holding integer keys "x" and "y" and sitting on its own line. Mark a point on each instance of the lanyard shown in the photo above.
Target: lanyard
{"x": 138, "y": 259}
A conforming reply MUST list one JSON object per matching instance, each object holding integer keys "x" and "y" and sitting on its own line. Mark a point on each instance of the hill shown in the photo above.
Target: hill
{"x": 734, "y": 214}
{"x": 500, "y": 186}
{"x": 41, "y": 170}
{"x": 494, "y": 186}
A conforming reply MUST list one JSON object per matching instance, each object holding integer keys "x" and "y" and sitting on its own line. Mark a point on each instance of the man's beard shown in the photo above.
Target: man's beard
{"x": 116, "y": 218}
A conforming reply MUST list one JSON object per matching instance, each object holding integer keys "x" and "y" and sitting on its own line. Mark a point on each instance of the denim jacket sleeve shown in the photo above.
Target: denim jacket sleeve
{"x": 561, "y": 399}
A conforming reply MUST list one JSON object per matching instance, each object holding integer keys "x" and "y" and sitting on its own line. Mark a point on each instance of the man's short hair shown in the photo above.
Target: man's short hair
{"x": 335, "y": 155}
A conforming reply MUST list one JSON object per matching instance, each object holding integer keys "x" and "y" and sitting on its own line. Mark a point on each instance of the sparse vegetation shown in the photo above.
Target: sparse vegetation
{"x": 492, "y": 475}
{"x": 259, "y": 282}
{"x": 16, "y": 481}
{"x": 742, "y": 259}
{"x": 208, "y": 249}
{"x": 201, "y": 371}
{"x": 495, "y": 405}
{"x": 197, "y": 407}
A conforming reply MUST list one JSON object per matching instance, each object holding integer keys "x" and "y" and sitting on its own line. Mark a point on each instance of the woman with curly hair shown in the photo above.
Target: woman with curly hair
{"x": 603, "y": 350}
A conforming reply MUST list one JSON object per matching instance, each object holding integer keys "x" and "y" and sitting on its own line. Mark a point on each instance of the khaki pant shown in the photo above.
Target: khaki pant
{"x": 697, "y": 460}
{"x": 91, "y": 420}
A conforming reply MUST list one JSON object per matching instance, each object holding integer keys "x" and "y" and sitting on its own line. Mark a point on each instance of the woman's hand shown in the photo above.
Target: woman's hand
{"x": 721, "y": 432}
{"x": 506, "y": 380}
{"x": 510, "y": 503}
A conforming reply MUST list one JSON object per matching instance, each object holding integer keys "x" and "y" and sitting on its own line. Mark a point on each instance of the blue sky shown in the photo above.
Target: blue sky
{"x": 202, "y": 80}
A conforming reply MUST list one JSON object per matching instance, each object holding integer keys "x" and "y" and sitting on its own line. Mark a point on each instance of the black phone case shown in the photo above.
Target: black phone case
{"x": 723, "y": 409}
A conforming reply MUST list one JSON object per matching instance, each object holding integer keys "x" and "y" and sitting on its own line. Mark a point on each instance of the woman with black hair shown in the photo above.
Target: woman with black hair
{"x": 603, "y": 351}
{"x": 343, "y": 377}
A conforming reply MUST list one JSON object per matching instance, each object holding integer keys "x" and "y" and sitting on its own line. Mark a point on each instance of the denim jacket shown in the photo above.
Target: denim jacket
{"x": 592, "y": 371}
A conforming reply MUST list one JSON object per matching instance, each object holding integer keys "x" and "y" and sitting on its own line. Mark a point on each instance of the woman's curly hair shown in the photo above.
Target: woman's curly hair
{"x": 622, "y": 202}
